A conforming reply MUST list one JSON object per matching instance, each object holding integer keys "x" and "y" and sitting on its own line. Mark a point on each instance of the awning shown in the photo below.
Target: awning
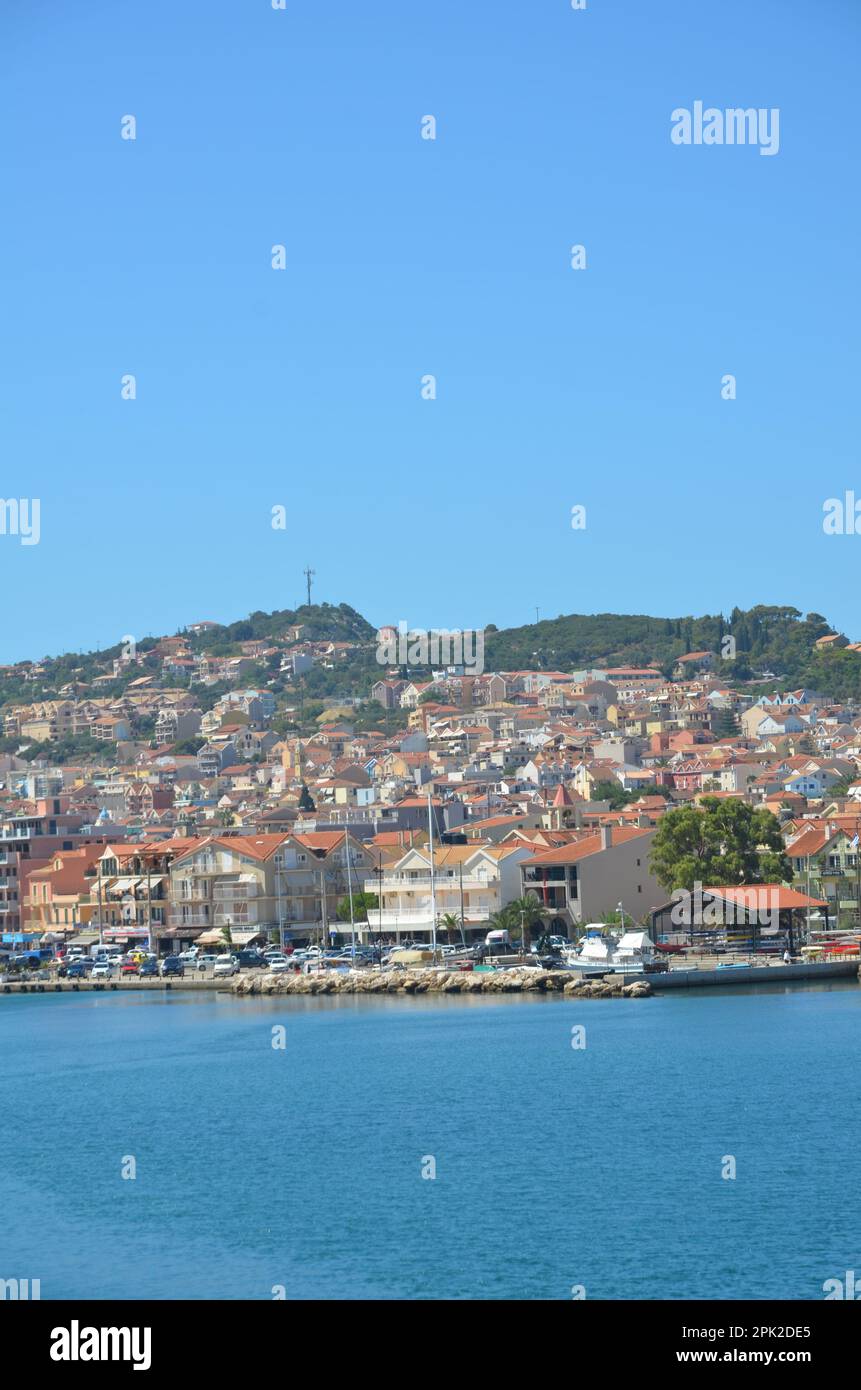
{"x": 211, "y": 938}
{"x": 123, "y": 885}
{"x": 85, "y": 938}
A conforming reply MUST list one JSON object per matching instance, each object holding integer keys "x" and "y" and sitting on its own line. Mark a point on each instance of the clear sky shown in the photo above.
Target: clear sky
{"x": 301, "y": 388}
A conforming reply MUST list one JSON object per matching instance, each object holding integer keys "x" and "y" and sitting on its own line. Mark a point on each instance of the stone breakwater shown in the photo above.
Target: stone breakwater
{"x": 523, "y": 981}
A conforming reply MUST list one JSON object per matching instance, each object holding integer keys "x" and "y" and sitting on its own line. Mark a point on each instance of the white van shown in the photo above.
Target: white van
{"x": 497, "y": 938}
{"x": 106, "y": 952}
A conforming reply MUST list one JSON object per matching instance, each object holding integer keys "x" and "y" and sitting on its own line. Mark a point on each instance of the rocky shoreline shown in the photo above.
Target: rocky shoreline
{"x": 515, "y": 981}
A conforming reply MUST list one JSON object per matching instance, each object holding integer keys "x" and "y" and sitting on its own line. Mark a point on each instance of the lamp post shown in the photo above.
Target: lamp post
{"x": 380, "y": 909}
{"x": 350, "y": 896}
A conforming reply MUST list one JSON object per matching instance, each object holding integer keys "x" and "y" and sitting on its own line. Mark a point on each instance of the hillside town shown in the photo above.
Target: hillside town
{"x": 194, "y": 821}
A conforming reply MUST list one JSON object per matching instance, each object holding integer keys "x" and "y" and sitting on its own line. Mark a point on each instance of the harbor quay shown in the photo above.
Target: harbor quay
{"x": 505, "y": 978}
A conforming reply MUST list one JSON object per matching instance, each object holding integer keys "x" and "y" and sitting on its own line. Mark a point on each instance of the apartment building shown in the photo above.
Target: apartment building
{"x": 224, "y": 883}
{"x": 470, "y": 882}
{"x": 174, "y": 725}
{"x": 27, "y": 842}
{"x": 313, "y": 872}
{"x": 59, "y": 893}
{"x": 579, "y": 882}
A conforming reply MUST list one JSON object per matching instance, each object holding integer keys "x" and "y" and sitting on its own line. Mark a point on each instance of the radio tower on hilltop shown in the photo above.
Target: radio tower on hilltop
{"x": 309, "y": 575}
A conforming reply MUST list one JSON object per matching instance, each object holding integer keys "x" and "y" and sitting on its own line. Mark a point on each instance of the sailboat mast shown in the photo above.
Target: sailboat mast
{"x": 433, "y": 881}
{"x": 350, "y": 895}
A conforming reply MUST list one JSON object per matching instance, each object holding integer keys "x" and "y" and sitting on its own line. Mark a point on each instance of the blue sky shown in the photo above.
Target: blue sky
{"x": 301, "y": 388}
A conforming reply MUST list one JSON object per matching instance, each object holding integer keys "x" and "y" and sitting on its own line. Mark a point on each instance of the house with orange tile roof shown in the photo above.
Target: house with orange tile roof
{"x": 470, "y": 883}
{"x": 825, "y": 859}
{"x": 59, "y": 892}
{"x": 578, "y": 883}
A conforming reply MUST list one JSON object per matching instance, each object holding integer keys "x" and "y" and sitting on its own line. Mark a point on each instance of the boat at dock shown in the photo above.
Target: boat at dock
{"x": 602, "y": 953}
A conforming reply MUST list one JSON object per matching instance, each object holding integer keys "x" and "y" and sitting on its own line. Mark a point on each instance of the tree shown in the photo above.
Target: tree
{"x": 716, "y": 843}
{"x": 451, "y": 922}
{"x": 362, "y": 904}
{"x": 724, "y": 724}
{"x": 188, "y": 746}
{"x": 618, "y": 797}
{"x": 518, "y": 918}
{"x": 613, "y": 792}
{"x": 306, "y": 802}
{"x": 840, "y": 788}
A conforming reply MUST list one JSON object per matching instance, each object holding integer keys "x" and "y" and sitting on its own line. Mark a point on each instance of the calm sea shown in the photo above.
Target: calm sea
{"x": 259, "y": 1168}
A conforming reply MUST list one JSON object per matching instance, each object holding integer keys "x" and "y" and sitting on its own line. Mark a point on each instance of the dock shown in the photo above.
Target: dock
{"x": 109, "y": 986}
{"x": 705, "y": 975}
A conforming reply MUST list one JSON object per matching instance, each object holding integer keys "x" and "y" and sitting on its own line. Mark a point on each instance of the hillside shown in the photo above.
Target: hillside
{"x": 775, "y": 640}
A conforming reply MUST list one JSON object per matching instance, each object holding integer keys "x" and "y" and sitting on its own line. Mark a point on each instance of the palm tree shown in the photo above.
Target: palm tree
{"x": 451, "y": 922}
{"x": 529, "y": 914}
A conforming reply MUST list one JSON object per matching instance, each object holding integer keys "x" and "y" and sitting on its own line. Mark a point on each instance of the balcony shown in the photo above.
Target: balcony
{"x": 193, "y": 919}
{"x": 444, "y": 883}
{"x": 234, "y": 892}
{"x": 389, "y": 918}
{"x": 235, "y": 917}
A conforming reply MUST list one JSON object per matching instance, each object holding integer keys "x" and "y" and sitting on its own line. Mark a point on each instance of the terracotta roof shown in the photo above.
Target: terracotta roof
{"x": 762, "y": 896}
{"x": 592, "y": 844}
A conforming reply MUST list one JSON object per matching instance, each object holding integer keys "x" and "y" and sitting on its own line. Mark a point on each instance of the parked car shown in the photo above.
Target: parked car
{"x": 252, "y": 960}
{"x": 148, "y": 968}
{"x": 189, "y": 957}
{"x": 275, "y": 959}
{"x": 225, "y": 965}
{"x": 172, "y": 965}
{"x": 102, "y": 970}
{"x": 283, "y": 967}
{"x": 79, "y": 968}
{"x": 207, "y": 958}
{"x": 130, "y": 967}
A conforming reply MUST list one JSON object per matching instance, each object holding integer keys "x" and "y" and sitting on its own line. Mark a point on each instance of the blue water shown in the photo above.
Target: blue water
{"x": 555, "y": 1167}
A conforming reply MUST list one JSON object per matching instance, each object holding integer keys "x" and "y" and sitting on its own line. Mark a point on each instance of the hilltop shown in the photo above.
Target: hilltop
{"x": 768, "y": 644}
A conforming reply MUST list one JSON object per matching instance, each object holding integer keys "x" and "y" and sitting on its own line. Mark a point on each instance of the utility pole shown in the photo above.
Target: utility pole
{"x": 432, "y": 880}
{"x": 348, "y": 853}
{"x": 857, "y": 876}
{"x": 324, "y": 921}
{"x": 278, "y": 897}
{"x": 309, "y": 575}
{"x": 380, "y": 907}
